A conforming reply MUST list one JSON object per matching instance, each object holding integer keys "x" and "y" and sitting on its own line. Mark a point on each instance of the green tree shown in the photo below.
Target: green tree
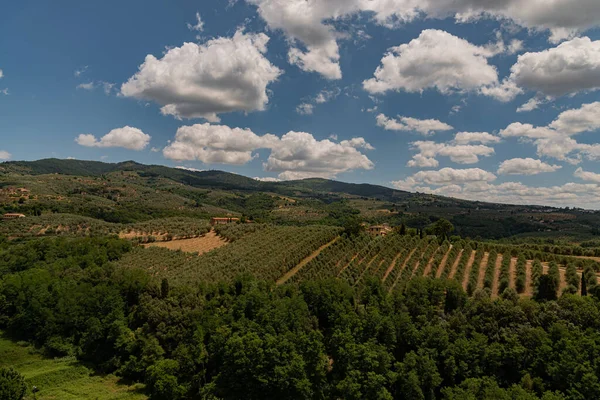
{"x": 441, "y": 228}
{"x": 162, "y": 383}
{"x": 546, "y": 288}
{"x": 12, "y": 384}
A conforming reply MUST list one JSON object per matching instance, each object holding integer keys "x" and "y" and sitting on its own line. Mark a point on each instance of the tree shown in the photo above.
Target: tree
{"x": 12, "y": 384}
{"x": 164, "y": 288}
{"x": 161, "y": 379}
{"x": 546, "y": 288}
{"x": 352, "y": 227}
{"x": 441, "y": 228}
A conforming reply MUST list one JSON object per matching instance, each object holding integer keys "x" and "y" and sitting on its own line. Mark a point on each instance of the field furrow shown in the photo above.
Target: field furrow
{"x": 455, "y": 264}
{"x": 439, "y": 271}
{"x": 302, "y": 263}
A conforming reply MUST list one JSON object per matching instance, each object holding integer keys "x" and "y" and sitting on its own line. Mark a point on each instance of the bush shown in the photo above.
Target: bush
{"x": 12, "y": 384}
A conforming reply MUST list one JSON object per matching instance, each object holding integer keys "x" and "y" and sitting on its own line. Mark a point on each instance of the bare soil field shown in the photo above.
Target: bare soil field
{"x": 198, "y": 245}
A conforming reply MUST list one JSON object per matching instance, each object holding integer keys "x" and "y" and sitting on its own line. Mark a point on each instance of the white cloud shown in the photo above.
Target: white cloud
{"x": 216, "y": 144}
{"x": 420, "y": 161}
{"x": 5, "y": 155}
{"x": 310, "y": 24}
{"x": 298, "y": 155}
{"x": 532, "y": 104}
{"x": 201, "y": 81}
{"x": 525, "y": 166}
{"x": 327, "y": 95}
{"x": 189, "y": 168}
{"x": 445, "y": 176}
{"x": 571, "y": 67}
{"x": 555, "y": 139}
{"x": 587, "y": 176}
{"x": 461, "y": 154}
{"x": 126, "y": 137}
{"x": 584, "y": 119}
{"x": 267, "y": 179}
{"x": 569, "y": 194}
{"x": 80, "y": 71}
{"x": 475, "y": 137}
{"x": 434, "y": 60}
{"x": 4, "y": 91}
{"x": 86, "y": 86}
{"x": 423, "y": 126}
{"x": 107, "y": 87}
{"x": 1, "y": 74}
{"x": 305, "y": 109}
{"x": 199, "y": 26}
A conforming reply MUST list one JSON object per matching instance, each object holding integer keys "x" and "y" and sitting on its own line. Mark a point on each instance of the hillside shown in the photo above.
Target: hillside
{"x": 130, "y": 192}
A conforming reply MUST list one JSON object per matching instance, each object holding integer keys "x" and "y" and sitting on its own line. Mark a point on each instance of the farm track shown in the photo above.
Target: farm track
{"x": 442, "y": 265}
{"x": 482, "y": 269}
{"x": 302, "y": 263}
{"x": 429, "y": 264}
{"x": 497, "y": 270}
{"x": 347, "y": 265}
{"x": 512, "y": 272}
{"x": 393, "y": 264}
{"x": 455, "y": 265}
{"x": 468, "y": 269}
{"x": 407, "y": 265}
{"x": 528, "y": 288}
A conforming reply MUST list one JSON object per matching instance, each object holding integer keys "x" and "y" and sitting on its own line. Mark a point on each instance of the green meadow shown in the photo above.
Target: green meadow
{"x": 62, "y": 378}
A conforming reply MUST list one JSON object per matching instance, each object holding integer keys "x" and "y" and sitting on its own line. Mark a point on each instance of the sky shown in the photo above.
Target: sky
{"x": 493, "y": 101}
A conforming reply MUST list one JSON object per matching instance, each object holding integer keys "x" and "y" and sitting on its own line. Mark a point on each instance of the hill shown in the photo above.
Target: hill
{"x": 129, "y": 192}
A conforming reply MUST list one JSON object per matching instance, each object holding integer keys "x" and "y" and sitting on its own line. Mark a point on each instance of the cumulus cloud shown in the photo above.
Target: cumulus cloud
{"x": 532, "y": 104}
{"x": 461, "y": 154}
{"x": 434, "y": 60}
{"x": 587, "y": 176}
{"x": 310, "y": 24}
{"x": 525, "y": 166}
{"x": 475, "y": 137}
{"x": 555, "y": 140}
{"x": 569, "y": 194}
{"x": 216, "y": 144}
{"x": 299, "y": 155}
{"x": 571, "y": 67}
{"x": 204, "y": 80}
{"x": 324, "y": 96}
{"x": 296, "y": 155}
{"x": 422, "y": 126}
{"x": 5, "y": 155}
{"x": 444, "y": 177}
{"x": 420, "y": 161}
{"x": 126, "y": 137}
{"x": 1, "y": 74}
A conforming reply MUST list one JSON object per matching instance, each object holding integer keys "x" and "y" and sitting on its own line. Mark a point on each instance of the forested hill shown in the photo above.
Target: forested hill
{"x": 129, "y": 192}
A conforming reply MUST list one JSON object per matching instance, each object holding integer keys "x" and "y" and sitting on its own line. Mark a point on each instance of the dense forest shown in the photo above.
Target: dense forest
{"x": 320, "y": 339}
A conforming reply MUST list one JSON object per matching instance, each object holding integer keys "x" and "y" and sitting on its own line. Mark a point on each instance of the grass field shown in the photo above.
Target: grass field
{"x": 62, "y": 379}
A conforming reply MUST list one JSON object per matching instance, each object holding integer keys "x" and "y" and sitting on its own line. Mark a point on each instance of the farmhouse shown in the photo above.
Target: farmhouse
{"x": 379, "y": 230}
{"x": 223, "y": 221}
{"x": 8, "y": 216}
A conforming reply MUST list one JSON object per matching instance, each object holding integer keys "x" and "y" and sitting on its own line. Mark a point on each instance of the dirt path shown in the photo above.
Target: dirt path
{"x": 394, "y": 261}
{"x": 402, "y": 268}
{"x": 429, "y": 265}
{"x": 468, "y": 269}
{"x": 429, "y": 262}
{"x": 482, "y": 269}
{"x": 563, "y": 280}
{"x": 440, "y": 269}
{"x": 496, "y": 281}
{"x": 302, "y": 263}
{"x": 347, "y": 265}
{"x": 512, "y": 273}
{"x": 455, "y": 265}
{"x": 362, "y": 274}
{"x": 198, "y": 245}
{"x": 528, "y": 289}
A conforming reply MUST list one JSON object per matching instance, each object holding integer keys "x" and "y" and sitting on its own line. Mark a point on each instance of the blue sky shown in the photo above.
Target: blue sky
{"x": 350, "y": 90}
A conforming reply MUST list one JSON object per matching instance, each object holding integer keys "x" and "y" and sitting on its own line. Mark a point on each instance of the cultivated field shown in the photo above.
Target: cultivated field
{"x": 298, "y": 254}
{"x": 200, "y": 245}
